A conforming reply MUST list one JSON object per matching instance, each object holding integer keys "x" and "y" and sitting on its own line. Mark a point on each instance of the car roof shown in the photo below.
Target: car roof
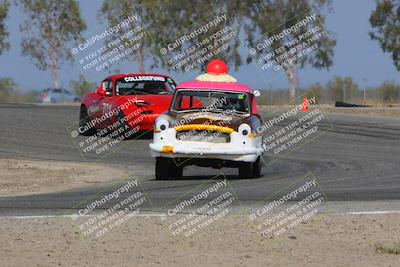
{"x": 122, "y": 75}
{"x": 223, "y": 86}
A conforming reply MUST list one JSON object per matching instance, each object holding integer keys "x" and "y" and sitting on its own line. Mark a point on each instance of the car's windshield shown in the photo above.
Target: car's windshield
{"x": 218, "y": 101}
{"x": 141, "y": 85}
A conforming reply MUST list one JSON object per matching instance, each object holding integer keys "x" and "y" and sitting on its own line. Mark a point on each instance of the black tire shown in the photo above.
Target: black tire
{"x": 176, "y": 171}
{"x": 257, "y": 168}
{"x": 163, "y": 168}
{"x": 246, "y": 170}
{"x": 84, "y": 119}
{"x": 166, "y": 168}
{"x": 120, "y": 118}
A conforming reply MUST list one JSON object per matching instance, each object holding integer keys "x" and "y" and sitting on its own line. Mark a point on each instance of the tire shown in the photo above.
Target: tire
{"x": 257, "y": 168}
{"x": 120, "y": 117}
{"x": 246, "y": 170}
{"x": 83, "y": 121}
{"x": 176, "y": 171}
{"x": 166, "y": 169}
{"x": 163, "y": 168}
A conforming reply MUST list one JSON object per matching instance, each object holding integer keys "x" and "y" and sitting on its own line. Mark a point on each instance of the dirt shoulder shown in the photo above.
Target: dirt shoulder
{"x": 21, "y": 177}
{"x": 325, "y": 240}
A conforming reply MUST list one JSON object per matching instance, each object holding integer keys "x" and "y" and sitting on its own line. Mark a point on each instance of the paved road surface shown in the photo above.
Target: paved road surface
{"x": 355, "y": 159}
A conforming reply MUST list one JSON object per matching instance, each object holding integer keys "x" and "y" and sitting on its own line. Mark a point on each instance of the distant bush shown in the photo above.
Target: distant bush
{"x": 82, "y": 86}
{"x": 343, "y": 89}
{"x": 337, "y": 89}
{"x": 9, "y": 94}
{"x": 316, "y": 90}
{"x": 389, "y": 91}
{"x": 7, "y": 87}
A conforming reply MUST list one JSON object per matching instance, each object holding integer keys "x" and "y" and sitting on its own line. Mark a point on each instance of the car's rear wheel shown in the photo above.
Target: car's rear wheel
{"x": 84, "y": 120}
{"x": 246, "y": 170}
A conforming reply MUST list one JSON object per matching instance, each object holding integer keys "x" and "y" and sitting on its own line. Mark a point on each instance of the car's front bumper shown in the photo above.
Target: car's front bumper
{"x": 240, "y": 148}
{"x": 201, "y": 150}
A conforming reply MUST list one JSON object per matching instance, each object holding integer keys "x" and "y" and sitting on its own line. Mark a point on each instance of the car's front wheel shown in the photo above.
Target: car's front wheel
{"x": 166, "y": 168}
{"x": 84, "y": 120}
{"x": 246, "y": 170}
{"x": 257, "y": 168}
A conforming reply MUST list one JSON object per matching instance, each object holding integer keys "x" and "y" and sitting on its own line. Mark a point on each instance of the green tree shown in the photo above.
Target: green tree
{"x": 82, "y": 86}
{"x": 149, "y": 12}
{"x": 7, "y": 87}
{"x": 272, "y": 17}
{"x": 183, "y": 17}
{"x": 4, "y": 6}
{"x": 389, "y": 92}
{"x": 49, "y": 27}
{"x": 342, "y": 89}
{"x": 316, "y": 90}
{"x": 385, "y": 21}
{"x": 164, "y": 21}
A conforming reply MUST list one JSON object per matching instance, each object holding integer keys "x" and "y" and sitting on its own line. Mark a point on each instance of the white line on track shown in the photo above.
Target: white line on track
{"x": 158, "y": 214}
{"x": 67, "y": 216}
{"x": 371, "y": 212}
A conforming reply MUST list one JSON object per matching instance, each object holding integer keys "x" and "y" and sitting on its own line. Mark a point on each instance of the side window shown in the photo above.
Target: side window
{"x": 107, "y": 85}
{"x": 171, "y": 85}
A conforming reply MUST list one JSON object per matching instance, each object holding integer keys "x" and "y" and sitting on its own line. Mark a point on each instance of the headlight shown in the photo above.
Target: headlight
{"x": 162, "y": 124}
{"x": 244, "y": 129}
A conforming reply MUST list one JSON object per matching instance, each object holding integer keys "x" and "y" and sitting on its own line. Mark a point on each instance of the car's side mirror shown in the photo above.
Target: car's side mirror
{"x": 256, "y": 93}
{"x": 101, "y": 91}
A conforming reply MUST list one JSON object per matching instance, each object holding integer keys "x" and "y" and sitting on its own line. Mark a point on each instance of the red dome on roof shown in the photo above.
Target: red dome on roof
{"x": 217, "y": 67}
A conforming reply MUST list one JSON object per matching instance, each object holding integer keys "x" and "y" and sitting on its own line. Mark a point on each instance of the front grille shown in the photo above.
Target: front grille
{"x": 203, "y": 136}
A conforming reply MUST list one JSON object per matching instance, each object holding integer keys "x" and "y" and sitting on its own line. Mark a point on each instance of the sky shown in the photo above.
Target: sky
{"x": 356, "y": 55}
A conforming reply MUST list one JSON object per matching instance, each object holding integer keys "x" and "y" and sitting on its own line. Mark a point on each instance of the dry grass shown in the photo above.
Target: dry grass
{"x": 387, "y": 249}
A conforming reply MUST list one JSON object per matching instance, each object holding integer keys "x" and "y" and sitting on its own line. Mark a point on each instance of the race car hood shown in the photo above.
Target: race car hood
{"x": 156, "y": 103}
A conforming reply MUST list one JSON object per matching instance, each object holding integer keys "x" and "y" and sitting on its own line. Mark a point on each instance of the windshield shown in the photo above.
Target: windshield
{"x": 143, "y": 85}
{"x": 218, "y": 101}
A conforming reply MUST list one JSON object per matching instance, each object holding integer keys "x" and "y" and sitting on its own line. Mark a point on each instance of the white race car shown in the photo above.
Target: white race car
{"x": 211, "y": 123}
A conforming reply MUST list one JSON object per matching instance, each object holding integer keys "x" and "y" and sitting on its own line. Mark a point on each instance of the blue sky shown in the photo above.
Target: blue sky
{"x": 355, "y": 54}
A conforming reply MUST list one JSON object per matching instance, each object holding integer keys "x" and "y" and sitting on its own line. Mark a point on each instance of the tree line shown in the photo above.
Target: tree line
{"x": 51, "y": 26}
{"x": 343, "y": 89}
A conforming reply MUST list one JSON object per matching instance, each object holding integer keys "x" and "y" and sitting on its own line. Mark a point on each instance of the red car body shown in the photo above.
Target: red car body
{"x": 138, "y": 98}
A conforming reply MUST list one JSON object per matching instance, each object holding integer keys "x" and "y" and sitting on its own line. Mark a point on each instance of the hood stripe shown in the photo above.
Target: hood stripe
{"x": 202, "y": 127}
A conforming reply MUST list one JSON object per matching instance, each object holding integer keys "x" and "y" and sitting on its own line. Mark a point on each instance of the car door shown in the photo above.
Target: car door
{"x": 105, "y": 104}
{"x": 96, "y": 107}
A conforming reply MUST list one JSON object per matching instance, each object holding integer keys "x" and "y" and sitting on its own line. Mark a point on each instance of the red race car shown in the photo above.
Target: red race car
{"x": 125, "y": 102}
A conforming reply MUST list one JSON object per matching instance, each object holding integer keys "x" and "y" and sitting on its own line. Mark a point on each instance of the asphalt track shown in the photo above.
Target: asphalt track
{"x": 357, "y": 158}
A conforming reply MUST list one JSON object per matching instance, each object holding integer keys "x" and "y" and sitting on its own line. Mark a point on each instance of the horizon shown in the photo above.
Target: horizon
{"x": 356, "y": 55}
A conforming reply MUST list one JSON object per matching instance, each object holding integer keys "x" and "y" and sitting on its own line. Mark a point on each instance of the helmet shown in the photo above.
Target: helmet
{"x": 217, "y": 67}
